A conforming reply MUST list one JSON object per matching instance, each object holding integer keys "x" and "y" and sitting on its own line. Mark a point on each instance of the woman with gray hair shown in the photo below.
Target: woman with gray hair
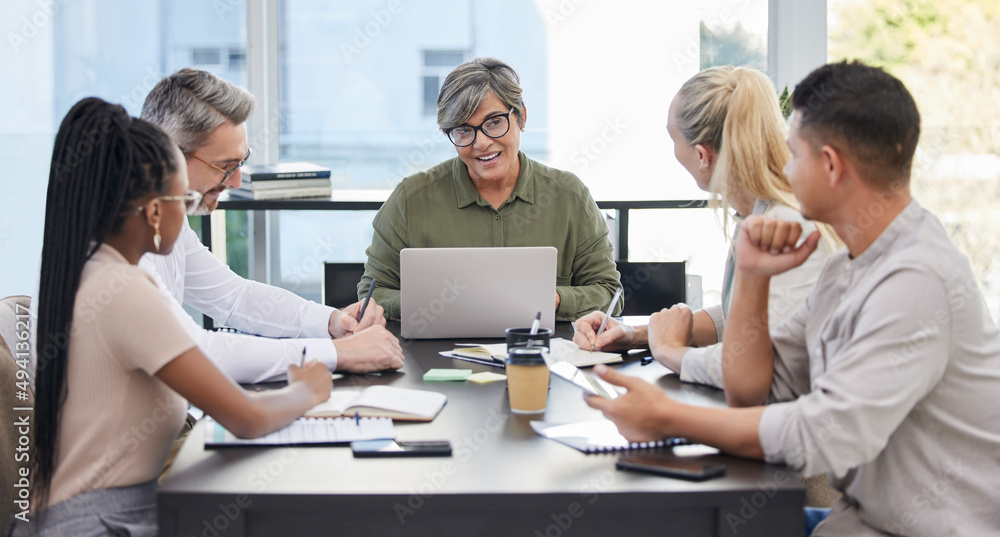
{"x": 493, "y": 195}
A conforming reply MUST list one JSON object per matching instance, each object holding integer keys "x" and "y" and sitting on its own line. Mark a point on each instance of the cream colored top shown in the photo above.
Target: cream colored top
{"x": 118, "y": 420}
{"x": 788, "y": 293}
{"x": 904, "y": 365}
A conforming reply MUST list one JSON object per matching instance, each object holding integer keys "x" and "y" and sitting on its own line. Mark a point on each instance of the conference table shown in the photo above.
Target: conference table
{"x": 501, "y": 480}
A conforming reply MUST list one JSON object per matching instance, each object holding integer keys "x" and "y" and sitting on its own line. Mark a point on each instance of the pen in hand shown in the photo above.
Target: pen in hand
{"x": 607, "y": 315}
{"x": 368, "y": 297}
{"x": 303, "y": 362}
{"x": 535, "y": 323}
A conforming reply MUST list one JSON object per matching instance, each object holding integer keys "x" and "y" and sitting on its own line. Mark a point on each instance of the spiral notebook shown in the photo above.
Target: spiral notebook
{"x": 305, "y": 432}
{"x": 599, "y": 436}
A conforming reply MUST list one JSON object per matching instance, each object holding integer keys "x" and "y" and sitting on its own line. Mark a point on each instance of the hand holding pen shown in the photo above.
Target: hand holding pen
{"x": 314, "y": 375}
{"x": 607, "y": 315}
{"x": 368, "y": 297}
{"x": 358, "y": 316}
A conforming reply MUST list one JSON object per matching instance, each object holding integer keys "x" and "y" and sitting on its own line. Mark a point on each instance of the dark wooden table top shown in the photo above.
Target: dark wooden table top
{"x": 498, "y": 462}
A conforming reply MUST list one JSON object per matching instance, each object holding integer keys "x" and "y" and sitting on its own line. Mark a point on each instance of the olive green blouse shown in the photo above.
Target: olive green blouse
{"x": 441, "y": 207}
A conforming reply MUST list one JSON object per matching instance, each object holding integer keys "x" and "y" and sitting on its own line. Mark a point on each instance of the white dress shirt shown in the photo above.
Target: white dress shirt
{"x": 905, "y": 371}
{"x": 787, "y": 294}
{"x": 192, "y": 274}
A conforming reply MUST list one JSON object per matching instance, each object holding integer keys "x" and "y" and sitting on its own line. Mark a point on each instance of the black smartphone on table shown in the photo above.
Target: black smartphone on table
{"x": 669, "y": 466}
{"x": 400, "y": 448}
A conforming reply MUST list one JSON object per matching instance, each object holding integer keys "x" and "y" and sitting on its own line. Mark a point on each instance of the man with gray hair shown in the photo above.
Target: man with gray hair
{"x": 206, "y": 116}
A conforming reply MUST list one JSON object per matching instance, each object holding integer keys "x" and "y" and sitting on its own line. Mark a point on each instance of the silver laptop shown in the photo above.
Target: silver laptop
{"x": 475, "y": 292}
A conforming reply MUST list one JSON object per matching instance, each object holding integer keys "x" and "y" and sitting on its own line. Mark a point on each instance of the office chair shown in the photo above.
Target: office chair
{"x": 340, "y": 283}
{"x": 650, "y": 287}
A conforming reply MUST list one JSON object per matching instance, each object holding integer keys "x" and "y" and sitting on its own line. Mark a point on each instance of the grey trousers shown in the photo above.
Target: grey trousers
{"x": 119, "y": 511}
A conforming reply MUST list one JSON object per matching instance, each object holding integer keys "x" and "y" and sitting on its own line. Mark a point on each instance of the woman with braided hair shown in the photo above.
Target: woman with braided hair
{"x": 115, "y": 368}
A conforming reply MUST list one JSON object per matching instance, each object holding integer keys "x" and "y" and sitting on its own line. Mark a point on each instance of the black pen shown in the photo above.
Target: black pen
{"x": 303, "y": 362}
{"x": 367, "y": 298}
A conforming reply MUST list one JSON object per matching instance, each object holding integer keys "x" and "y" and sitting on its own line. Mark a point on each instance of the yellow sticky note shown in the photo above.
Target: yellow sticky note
{"x": 486, "y": 376}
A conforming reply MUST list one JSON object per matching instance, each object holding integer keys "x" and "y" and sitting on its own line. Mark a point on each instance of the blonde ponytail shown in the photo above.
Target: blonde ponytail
{"x": 735, "y": 112}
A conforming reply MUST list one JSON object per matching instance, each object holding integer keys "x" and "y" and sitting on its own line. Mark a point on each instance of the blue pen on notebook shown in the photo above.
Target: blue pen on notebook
{"x": 367, "y": 298}
{"x": 357, "y": 419}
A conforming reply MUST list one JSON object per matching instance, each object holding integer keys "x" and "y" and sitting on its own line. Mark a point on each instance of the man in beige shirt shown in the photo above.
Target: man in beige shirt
{"x": 904, "y": 357}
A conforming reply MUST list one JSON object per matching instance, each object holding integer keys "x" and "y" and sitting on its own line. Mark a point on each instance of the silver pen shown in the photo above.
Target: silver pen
{"x": 604, "y": 323}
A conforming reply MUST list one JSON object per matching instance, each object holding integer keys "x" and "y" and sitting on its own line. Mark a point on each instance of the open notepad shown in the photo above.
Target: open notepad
{"x": 560, "y": 349}
{"x": 595, "y": 436}
{"x": 401, "y": 404}
{"x": 305, "y": 432}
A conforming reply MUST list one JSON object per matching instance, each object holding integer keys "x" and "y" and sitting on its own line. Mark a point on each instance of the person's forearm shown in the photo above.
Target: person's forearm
{"x": 703, "y": 334}
{"x": 274, "y": 410}
{"x": 245, "y": 414}
{"x": 732, "y": 430}
{"x": 389, "y": 300}
{"x": 579, "y": 300}
{"x": 670, "y": 357}
{"x": 748, "y": 355}
{"x": 640, "y": 338}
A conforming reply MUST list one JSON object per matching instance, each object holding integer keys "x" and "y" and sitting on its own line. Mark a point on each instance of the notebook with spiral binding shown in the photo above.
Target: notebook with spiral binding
{"x": 599, "y": 436}
{"x": 305, "y": 432}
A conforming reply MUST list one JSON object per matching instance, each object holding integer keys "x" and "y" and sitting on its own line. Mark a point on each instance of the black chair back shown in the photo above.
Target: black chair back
{"x": 340, "y": 283}
{"x": 650, "y": 287}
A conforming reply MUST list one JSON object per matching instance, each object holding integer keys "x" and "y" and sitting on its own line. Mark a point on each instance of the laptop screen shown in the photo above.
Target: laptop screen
{"x": 475, "y": 292}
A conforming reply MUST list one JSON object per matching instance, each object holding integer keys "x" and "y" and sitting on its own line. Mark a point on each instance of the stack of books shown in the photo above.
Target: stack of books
{"x": 283, "y": 181}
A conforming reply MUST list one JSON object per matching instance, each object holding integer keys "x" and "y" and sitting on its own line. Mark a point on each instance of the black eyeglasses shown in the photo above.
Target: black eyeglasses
{"x": 225, "y": 173}
{"x": 494, "y": 127}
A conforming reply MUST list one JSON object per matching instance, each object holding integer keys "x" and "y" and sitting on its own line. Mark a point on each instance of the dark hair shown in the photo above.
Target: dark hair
{"x": 103, "y": 163}
{"x": 865, "y": 112}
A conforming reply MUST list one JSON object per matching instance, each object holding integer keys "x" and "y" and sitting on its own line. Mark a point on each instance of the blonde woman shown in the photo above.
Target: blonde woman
{"x": 728, "y": 132}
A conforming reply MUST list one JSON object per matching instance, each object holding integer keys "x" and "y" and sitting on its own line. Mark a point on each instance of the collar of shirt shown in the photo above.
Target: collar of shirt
{"x": 466, "y": 193}
{"x": 904, "y": 221}
{"x": 760, "y": 206}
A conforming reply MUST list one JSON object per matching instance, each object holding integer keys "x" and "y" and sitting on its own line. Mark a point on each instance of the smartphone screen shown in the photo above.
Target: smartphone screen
{"x": 670, "y": 466}
{"x": 590, "y": 383}
{"x": 393, "y": 448}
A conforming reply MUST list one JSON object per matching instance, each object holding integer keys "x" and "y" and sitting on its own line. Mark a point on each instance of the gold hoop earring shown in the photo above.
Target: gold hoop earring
{"x": 156, "y": 236}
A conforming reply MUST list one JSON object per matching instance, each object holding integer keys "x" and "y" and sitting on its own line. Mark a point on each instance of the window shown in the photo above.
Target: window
{"x": 733, "y": 36}
{"x": 237, "y": 59}
{"x": 206, "y": 57}
{"x": 356, "y": 80}
{"x": 64, "y": 51}
{"x": 359, "y": 85}
{"x": 437, "y": 65}
{"x": 956, "y": 173}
